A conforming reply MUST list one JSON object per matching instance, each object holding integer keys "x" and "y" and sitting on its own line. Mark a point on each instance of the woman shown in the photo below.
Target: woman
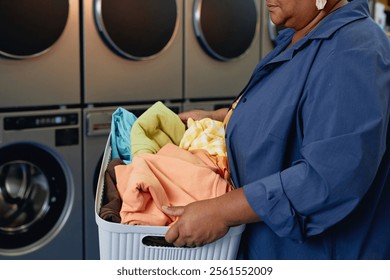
{"x": 307, "y": 143}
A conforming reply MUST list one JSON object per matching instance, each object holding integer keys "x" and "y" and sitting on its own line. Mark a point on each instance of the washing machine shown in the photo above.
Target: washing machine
{"x": 221, "y": 46}
{"x": 132, "y": 51}
{"x": 39, "y": 53}
{"x": 41, "y": 185}
{"x": 97, "y": 127}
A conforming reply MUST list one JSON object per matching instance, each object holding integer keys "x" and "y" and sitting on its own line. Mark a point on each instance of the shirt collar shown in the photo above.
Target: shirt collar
{"x": 355, "y": 10}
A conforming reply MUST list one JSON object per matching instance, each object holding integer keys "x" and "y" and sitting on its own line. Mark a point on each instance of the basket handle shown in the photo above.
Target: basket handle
{"x": 158, "y": 241}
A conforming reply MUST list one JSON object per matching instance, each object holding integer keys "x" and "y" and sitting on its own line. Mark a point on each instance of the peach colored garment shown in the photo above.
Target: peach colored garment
{"x": 172, "y": 177}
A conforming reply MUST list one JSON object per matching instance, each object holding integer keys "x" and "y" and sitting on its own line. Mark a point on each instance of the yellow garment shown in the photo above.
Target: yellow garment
{"x": 205, "y": 134}
{"x": 156, "y": 127}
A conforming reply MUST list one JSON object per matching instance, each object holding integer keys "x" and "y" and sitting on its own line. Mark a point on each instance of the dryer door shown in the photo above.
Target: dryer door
{"x": 29, "y": 28}
{"x": 35, "y": 197}
{"x": 137, "y": 29}
{"x": 225, "y": 29}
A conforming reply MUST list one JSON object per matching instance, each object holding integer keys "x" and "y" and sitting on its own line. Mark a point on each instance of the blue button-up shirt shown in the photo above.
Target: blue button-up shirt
{"x": 308, "y": 141}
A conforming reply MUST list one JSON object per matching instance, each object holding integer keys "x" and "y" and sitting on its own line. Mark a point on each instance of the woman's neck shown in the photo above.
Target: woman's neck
{"x": 321, "y": 15}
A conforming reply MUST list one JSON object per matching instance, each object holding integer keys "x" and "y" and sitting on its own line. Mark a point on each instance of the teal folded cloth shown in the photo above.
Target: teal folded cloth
{"x": 121, "y": 125}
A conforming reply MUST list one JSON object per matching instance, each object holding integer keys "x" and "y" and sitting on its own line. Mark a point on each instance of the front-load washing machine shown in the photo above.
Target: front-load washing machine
{"x": 97, "y": 127}
{"x": 221, "y": 46}
{"x": 41, "y": 185}
{"x": 39, "y": 53}
{"x": 132, "y": 51}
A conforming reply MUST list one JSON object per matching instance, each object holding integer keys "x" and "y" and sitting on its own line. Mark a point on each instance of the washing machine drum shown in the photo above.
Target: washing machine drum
{"x": 225, "y": 29}
{"x": 34, "y": 197}
{"x": 137, "y": 29}
{"x": 29, "y": 28}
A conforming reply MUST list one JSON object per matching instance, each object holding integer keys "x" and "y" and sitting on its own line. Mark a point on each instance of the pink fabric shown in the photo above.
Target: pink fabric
{"x": 173, "y": 177}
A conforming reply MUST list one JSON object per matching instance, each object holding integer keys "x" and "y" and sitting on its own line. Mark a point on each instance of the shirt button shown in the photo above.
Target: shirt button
{"x": 244, "y": 100}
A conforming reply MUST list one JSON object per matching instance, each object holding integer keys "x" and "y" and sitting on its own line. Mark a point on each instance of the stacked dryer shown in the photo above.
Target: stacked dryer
{"x": 133, "y": 57}
{"x": 133, "y": 51}
{"x": 221, "y": 49}
{"x": 39, "y": 53}
{"x": 40, "y": 130}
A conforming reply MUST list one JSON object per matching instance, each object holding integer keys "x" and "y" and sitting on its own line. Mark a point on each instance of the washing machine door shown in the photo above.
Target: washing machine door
{"x": 35, "y": 197}
{"x": 137, "y": 29}
{"x": 225, "y": 29}
{"x": 29, "y": 28}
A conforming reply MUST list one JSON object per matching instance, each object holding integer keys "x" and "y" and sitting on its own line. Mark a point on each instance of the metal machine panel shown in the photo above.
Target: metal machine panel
{"x": 221, "y": 46}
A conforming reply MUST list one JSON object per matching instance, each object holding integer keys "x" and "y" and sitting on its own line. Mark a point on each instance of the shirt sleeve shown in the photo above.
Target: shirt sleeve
{"x": 343, "y": 117}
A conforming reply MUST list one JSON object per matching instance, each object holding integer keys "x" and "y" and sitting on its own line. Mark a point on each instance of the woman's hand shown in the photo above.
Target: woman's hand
{"x": 197, "y": 115}
{"x": 199, "y": 223}
{"x": 205, "y": 221}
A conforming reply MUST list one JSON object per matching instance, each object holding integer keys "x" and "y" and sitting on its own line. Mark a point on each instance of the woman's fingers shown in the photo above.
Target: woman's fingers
{"x": 175, "y": 211}
{"x": 171, "y": 235}
{"x": 196, "y": 225}
{"x": 173, "y": 232}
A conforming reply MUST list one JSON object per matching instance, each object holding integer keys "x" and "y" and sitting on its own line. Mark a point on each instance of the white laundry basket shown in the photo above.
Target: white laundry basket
{"x": 129, "y": 242}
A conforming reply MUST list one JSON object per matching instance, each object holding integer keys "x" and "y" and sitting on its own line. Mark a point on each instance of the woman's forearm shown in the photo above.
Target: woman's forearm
{"x": 219, "y": 114}
{"x": 235, "y": 209}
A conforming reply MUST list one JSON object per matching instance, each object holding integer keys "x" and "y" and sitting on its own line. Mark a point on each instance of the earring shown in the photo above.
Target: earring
{"x": 320, "y": 4}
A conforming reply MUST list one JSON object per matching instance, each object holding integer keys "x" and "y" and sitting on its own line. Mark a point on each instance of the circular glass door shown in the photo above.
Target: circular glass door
{"x": 225, "y": 29}
{"x": 137, "y": 29}
{"x": 29, "y": 28}
{"x": 35, "y": 197}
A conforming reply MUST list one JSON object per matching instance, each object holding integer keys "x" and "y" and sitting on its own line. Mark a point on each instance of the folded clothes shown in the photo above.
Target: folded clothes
{"x": 121, "y": 125}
